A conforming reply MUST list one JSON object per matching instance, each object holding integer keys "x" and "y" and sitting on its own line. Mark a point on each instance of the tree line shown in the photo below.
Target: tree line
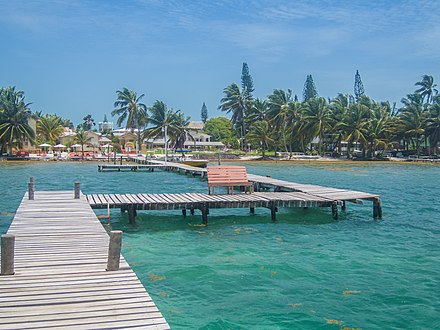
{"x": 283, "y": 123}
{"x": 280, "y": 122}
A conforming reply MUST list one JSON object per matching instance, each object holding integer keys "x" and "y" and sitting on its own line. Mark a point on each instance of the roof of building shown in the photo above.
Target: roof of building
{"x": 198, "y": 125}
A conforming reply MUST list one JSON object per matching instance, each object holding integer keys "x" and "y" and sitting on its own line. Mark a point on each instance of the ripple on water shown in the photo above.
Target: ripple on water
{"x": 305, "y": 271}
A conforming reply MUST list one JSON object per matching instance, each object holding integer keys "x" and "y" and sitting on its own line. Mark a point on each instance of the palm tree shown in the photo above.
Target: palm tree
{"x": 131, "y": 111}
{"x": 317, "y": 119}
{"x": 281, "y": 114}
{"x": 427, "y": 88}
{"x": 259, "y": 133}
{"x": 433, "y": 126}
{"x": 82, "y": 139}
{"x": 379, "y": 128}
{"x": 339, "y": 108}
{"x": 14, "y": 117}
{"x": 160, "y": 117}
{"x": 179, "y": 131}
{"x": 239, "y": 103}
{"x": 412, "y": 119}
{"x": 259, "y": 111}
{"x": 354, "y": 125}
{"x": 49, "y": 128}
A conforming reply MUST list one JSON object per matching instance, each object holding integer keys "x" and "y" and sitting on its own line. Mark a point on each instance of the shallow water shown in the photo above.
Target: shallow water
{"x": 306, "y": 271}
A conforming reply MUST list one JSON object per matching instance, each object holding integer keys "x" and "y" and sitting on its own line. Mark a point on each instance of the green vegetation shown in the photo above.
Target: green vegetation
{"x": 49, "y": 128}
{"x": 345, "y": 125}
{"x": 82, "y": 139}
{"x": 14, "y": 120}
{"x": 320, "y": 126}
{"x": 204, "y": 113}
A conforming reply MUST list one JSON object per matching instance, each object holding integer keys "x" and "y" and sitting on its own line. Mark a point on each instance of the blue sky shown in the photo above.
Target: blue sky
{"x": 70, "y": 57}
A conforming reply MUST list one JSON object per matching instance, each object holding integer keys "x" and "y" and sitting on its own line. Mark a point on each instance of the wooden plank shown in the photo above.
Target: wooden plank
{"x": 60, "y": 279}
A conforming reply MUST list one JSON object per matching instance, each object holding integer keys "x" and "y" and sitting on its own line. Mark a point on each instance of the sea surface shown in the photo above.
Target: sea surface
{"x": 304, "y": 271}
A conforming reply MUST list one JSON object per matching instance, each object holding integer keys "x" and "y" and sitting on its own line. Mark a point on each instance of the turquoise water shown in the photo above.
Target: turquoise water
{"x": 306, "y": 271}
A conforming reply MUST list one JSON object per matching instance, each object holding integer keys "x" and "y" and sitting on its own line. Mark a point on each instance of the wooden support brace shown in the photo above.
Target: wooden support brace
{"x": 184, "y": 212}
{"x": 252, "y": 210}
{"x": 7, "y": 246}
{"x": 191, "y": 211}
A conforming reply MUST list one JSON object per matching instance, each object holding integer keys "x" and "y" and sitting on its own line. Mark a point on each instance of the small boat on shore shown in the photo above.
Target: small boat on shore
{"x": 187, "y": 159}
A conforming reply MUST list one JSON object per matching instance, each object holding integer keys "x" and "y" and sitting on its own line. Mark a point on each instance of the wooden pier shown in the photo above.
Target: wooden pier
{"x": 203, "y": 202}
{"x": 130, "y": 167}
{"x": 329, "y": 196}
{"x": 60, "y": 280}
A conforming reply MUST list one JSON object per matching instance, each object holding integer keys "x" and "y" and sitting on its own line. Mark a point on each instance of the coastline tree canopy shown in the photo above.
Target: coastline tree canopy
{"x": 14, "y": 119}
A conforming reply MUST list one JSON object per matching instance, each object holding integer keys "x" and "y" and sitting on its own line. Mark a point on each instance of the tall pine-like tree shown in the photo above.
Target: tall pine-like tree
{"x": 247, "y": 83}
{"x": 358, "y": 86}
{"x": 204, "y": 113}
{"x": 310, "y": 91}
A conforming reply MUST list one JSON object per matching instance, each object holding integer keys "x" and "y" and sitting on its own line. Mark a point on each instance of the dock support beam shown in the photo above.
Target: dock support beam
{"x": 191, "y": 211}
{"x": 335, "y": 210}
{"x": 184, "y": 212}
{"x": 114, "y": 250}
{"x": 205, "y": 212}
{"x": 7, "y": 245}
{"x": 252, "y": 210}
{"x": 273, "y": 211}
{"x": 344, "y": 206}
{"x": 377, "y": 209}
{"x": 77, "y": 190}
{"x": 132, "y": 214}
{"x": 31, "y": 188}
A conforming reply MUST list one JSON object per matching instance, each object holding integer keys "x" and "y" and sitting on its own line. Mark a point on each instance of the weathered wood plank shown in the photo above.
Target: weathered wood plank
{"x": 60, "y": 279}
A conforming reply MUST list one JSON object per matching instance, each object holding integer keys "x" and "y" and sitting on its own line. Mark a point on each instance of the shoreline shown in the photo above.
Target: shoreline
{"x": 321, "y": 161}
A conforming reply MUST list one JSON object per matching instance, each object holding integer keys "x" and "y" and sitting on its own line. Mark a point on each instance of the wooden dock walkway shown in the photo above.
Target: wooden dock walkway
{"x": 204, "y": 202}
{"x": 306, "y": 195}
{"x": 130, "y": 167}
{"x": 60, "y": 278}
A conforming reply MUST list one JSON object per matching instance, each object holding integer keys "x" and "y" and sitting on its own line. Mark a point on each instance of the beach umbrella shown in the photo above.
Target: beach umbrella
{"x": 45, "y": 145}
{"x": 76, "y": 145}
{"x": 59, "y": 146}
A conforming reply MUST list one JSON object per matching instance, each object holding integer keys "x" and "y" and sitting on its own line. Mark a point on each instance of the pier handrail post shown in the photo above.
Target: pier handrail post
{"x": 77, "y": 190}
{"x": 114, "y": 250}
{"x": 31, "y": 188}
{"x": 7, "y": 246}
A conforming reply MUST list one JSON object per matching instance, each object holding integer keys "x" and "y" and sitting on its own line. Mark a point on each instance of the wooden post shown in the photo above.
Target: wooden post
{"x": 335, "y": 210}
{"x": 252, "y": 210}
{"x": 31, "y": 188}
{"x": 77, "y": 190}
{"x": 7, "y": 245}
{"x": 273, "y": 211}
{"x": 191, "y": 211}
{"x": 344, "y": 206}
{"x": 377, "y": 209}
{"x": 131, "y": 214}
{"x": 114, "y": 250}
{"x": 184, "y": 212}
{"x": 205, "y": 213}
